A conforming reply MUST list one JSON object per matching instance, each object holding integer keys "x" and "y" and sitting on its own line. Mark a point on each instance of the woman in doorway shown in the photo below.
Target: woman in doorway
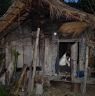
{"x": 64, "y": 64}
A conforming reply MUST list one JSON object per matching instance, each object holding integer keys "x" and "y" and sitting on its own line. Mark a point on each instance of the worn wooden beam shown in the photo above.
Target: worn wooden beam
{"x": 35, "y": 58}
{"x": 83, "y": 89}
{"x": 82, "y": 52}
{"x": 20, "y": 81}
{"x": 69, "y": 40}
{"x": 74, "y": 58}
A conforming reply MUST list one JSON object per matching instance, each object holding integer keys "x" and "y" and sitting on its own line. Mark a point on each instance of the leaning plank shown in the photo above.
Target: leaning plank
{"x": 20, "y": 81}
{"x": 35, "y": 58}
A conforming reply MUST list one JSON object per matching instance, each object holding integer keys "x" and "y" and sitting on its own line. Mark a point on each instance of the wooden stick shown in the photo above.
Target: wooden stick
{"x": 20, "y": 81}
{"x": 35, "y": 58}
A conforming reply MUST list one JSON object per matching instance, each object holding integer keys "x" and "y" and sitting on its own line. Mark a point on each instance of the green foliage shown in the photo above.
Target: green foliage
{"x": 4, "y": 4}
{"x": 3, "y": 91}
{"x": 15, "y": 55}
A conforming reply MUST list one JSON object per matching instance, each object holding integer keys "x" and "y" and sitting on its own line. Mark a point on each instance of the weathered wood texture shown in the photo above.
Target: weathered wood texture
{"x": 35, "y": 58}
{"x": 25, "y": 51}
{"x": 17, "y": 87}
{"x": 85, "y": 72}
{"x": 42, "y": 52}
{"x": 82, "y": 53}
{"x": 21, "y": 41}
{"x": 50, "y": 56}
{"x": 74, "y": 58}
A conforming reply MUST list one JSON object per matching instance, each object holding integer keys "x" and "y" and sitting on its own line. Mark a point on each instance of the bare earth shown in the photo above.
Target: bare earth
{"x": 64, "y": 89}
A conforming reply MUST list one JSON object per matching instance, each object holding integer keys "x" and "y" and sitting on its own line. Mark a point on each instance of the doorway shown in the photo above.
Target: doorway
{"x": 65, "y": 54}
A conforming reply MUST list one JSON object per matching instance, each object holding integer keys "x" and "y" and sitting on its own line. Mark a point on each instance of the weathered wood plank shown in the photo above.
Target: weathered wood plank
{"x": 35, "y": 58}
{"x": 85, "y": 72}
{"x": 82, "y": 52}
{"x": 74, "y": 57}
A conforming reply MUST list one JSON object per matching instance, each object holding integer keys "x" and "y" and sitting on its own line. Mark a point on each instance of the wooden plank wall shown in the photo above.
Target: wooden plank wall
{"x": 47, "y": 56}
{"x": 47, "y": 52}
{"x": 24, "y": 47}
{"x": 50, "y": 56}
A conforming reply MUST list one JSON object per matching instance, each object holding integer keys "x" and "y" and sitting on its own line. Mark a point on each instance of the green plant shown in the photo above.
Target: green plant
{"x": 15, "y": 55}
{"x": 3, "y": 91}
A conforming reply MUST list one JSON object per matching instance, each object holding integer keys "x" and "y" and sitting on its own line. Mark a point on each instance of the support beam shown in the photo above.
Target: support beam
{"x": 82, "y": 51}
{"x": 69, "y": 40}
{"x": 74, "y": 57}
{"x": 35, "y": 59}
{"x": 83, "y": 89}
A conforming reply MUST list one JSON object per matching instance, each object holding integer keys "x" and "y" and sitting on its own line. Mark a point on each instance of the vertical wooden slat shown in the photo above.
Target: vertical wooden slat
{"x": 82, "y": 54}
{"x": 42, "y": 52}
{"x": 54, "y": 52}
{"x": 51, "y": 49}
{"x": 85, "y": 73}
{"x": 74, "y": 57}
{"x": 48, "y": 56}
{"x": 28, "y": 54}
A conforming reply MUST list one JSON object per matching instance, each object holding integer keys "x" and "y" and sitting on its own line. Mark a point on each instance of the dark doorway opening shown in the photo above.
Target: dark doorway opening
{"x": 65, "y": 60}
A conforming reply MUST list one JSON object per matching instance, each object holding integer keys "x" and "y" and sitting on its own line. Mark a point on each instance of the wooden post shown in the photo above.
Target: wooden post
{"x": 20, "y": 81}
{"x": 74, "y": 55}
{"x": 35, "y": 58}
{"x": 42, "y": 52}
{"x": 82, "y": 51}
{"x": 83, "y": 89}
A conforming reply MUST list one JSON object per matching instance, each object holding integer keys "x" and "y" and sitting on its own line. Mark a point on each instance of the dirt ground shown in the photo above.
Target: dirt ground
{"x": 58, "y": 89}
{"x": 64, "y": 89}
{"x": 90, "y": 90}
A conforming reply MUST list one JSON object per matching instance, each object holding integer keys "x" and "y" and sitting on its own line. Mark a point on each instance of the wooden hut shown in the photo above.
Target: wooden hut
{"x": 20, "y": 38}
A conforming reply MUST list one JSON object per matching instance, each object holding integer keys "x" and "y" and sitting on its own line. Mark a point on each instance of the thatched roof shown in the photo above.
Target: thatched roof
{"x": 56, "y": 7}
{"x": 73, "y": 28}
{"x": 9, "y": 17}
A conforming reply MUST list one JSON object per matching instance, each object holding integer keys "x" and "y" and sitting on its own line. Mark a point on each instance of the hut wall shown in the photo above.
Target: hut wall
{"x": 24, "y": 42}
{"x": 50, "y": 56}
{"x": 24, "y": 48}
{"x": 21, "y": 41}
